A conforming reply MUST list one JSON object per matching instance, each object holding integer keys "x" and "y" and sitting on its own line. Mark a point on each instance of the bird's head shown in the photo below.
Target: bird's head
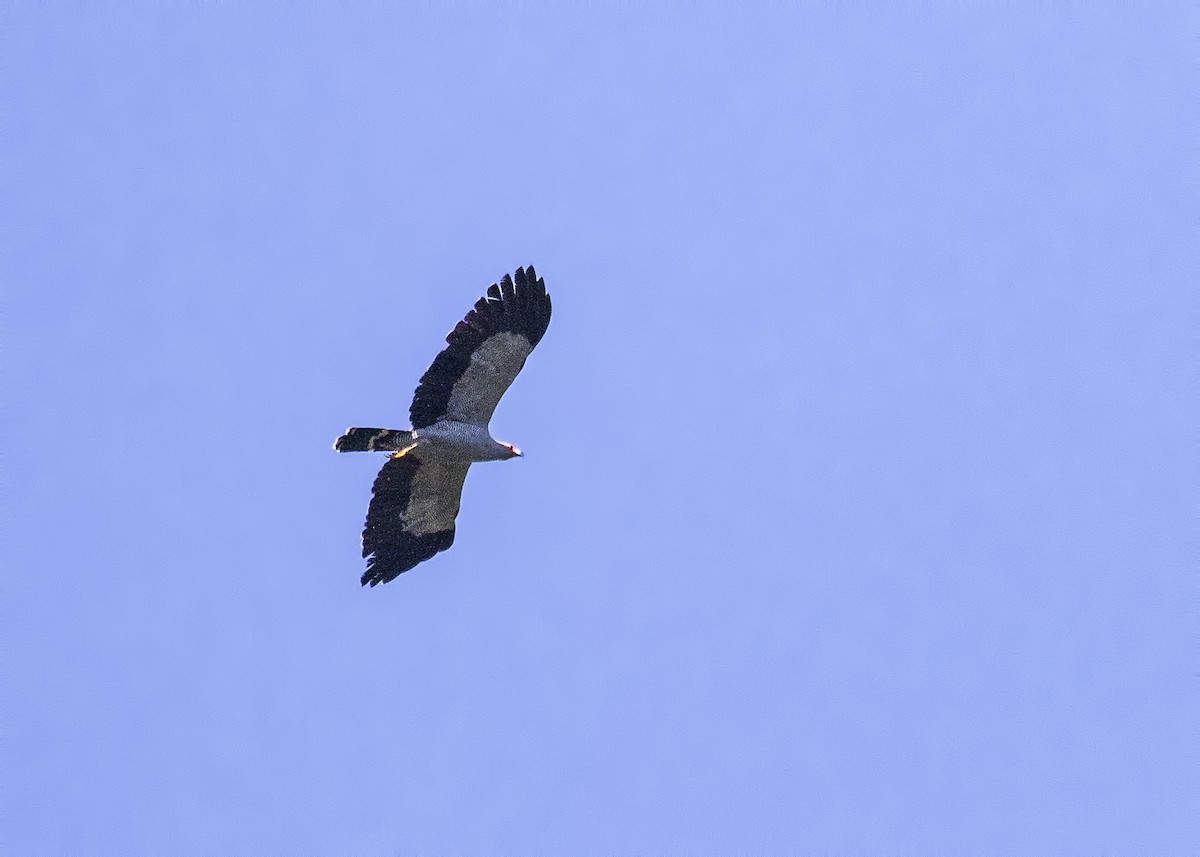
{"x": 513, "y": 452}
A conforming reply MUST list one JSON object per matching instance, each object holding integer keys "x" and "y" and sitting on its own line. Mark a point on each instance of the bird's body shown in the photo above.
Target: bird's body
{"x": 416, "y": 496}
{"x": 464, "y": 442}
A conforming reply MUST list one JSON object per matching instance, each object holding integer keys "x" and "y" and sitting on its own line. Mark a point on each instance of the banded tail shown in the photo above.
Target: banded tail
{"x": 373, "y": 440}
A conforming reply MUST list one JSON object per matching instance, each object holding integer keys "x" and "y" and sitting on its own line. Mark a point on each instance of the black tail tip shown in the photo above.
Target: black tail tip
{"x": 358, "y": 440}
{"x": 349, "y": 441}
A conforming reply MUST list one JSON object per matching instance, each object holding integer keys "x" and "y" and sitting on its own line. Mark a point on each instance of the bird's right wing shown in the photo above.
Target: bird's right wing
{"x": 411, "y": 517}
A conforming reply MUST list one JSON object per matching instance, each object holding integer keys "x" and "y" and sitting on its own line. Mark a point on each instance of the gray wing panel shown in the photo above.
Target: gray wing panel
{"x": 494, "y": 366}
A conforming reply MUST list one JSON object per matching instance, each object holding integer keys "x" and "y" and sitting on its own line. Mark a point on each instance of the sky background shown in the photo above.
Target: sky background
{"x": 858, "y": 511}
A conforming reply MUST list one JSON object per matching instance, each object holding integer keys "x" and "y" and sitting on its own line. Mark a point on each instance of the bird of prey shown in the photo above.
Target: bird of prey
{"x": 415, "y": 498}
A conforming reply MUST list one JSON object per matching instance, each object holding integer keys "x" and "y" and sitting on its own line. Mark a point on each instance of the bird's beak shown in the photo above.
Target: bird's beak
{"x": 517, "y": 452}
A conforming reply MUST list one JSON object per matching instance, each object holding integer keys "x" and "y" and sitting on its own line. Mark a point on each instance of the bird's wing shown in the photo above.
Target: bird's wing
{"x": 411, "y": 517}
{"x": 485, "y": 352}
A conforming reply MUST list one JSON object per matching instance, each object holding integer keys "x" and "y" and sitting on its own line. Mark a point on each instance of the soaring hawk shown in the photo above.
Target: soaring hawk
{"x": 415, "y": 498}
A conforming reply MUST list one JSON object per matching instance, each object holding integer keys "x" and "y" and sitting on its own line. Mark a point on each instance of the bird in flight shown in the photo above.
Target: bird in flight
{"x": 415, "y": 497}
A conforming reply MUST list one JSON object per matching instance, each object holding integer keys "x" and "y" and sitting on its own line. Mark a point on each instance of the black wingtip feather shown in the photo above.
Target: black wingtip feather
{"x": 388, "y": 562}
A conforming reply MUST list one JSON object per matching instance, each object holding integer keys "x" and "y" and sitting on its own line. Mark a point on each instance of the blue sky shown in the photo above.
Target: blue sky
{"x": 858, "y": 506}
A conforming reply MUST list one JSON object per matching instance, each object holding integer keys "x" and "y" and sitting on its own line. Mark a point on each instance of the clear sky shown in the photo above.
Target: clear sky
{"x": 858, "y": 511}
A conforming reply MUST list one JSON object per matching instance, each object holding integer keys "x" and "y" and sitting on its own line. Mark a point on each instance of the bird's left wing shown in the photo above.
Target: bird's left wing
{"x": 411, "y": 517}
{"x": 485, "y": 352}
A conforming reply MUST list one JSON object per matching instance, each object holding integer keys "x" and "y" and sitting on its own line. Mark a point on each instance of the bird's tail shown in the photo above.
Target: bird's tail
{"x": 373, "y": 440}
